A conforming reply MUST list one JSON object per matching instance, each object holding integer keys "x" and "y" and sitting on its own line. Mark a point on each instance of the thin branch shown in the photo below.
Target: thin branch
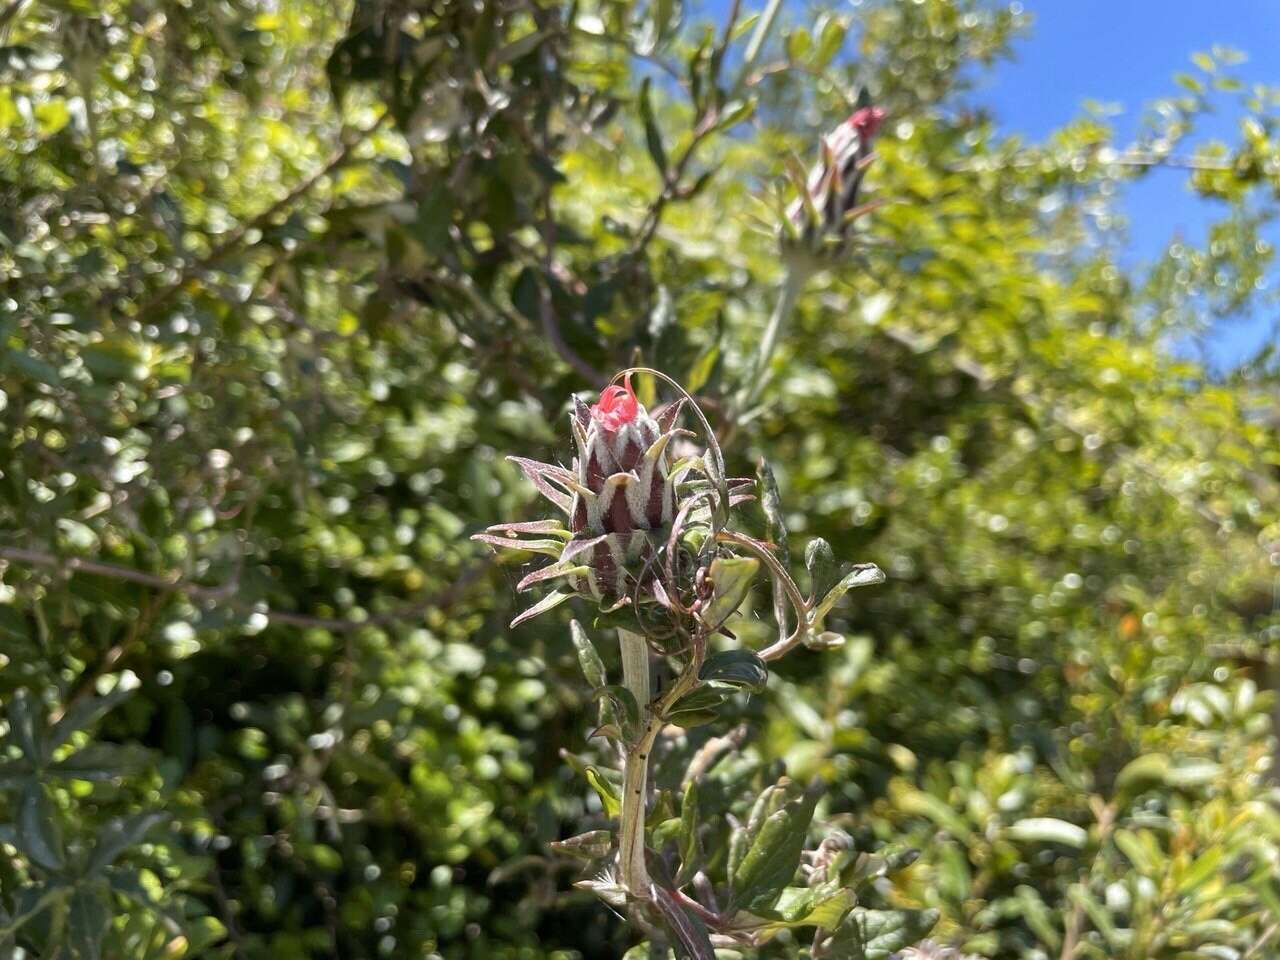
{"x": 225, "y": 594}
{"x": 671, "y": 184}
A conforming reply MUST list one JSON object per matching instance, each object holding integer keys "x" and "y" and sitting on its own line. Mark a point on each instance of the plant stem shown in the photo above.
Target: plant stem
{"x": 797, "y": 276}
{"x": 635, "y": 777}
{"x": 634, "y": 872}
{"x": 756, "y": 44}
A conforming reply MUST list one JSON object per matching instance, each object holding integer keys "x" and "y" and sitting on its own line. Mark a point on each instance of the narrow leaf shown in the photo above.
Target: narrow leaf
{"x": 37, "y": 835}
{"x": 652, "y": 135}
{"x": 771, "y": 861}
{"x": 732, "y": 578}
{"x": 588, "y": 657}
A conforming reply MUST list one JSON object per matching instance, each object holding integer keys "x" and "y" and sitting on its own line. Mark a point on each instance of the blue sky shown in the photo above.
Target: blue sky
{"x": 1125, "y": 52}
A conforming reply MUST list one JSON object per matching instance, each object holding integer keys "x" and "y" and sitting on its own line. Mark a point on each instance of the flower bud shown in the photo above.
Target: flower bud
{"x": 829, "y": 200}
{"x": 619, "y": 493}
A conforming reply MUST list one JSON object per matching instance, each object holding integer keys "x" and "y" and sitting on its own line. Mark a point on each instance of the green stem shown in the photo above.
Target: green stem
{"x": 635, "y": 776}
{"x": 634, "y": 872}
{"x": 756, "y": 44}
{"x": 797, "y": 276}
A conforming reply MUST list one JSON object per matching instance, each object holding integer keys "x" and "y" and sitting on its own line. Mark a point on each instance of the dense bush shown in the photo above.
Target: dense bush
{"x": 281, "y": 284}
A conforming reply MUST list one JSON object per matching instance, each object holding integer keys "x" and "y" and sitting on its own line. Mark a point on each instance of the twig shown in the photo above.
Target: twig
{"x": 670, "y": 184}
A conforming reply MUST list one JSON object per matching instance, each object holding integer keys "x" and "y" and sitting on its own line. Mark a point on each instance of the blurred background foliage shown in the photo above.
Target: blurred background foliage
{"x": 282, "y": 281}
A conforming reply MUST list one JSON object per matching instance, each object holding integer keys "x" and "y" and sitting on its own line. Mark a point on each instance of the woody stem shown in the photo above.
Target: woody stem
{"x": 635, "y": 677}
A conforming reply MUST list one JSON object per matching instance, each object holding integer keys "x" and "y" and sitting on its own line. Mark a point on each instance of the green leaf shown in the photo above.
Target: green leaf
{"x": 13, "y": 625}
{"x": 86, "y": 711}
{"x": 807, "y": 907}
{"x": 1099, "y": 914}
{"x": 15, "y": 773}
{"x": 690, "y": 848}
{"x": 1038, "y": 916}
{"x": 700, "y": 373}
{"x": 608, "y": 794}
{"x": 769, "y": 863}
{"x": 1143, "y": 851}
{"x": 732, "y": 578}
{"x": 696, "y": 708}
{"x": 736, "y": 670}
{"x": 37, "y": 835}
{"x": 735, "y": 113}
{"x": 820, "y": 561}
{"x": 652, "y": 135}
{"x": 100, "y": 761}
{"x": 553, "y": 599}
{"x": 1143, "y": 771}
{"x": 878, "y": 934}
{"x": 128, "y": 884}
{"x": 771, "y": 503}
{"x": 831, "y": 33}
{"x": 591, "y": 845}
{"x": 588, "y": 657}
{"x": 852, "y": 575}
{"x": 1205, "y": 866}
{"x": 1049, "y": 830}
{"x": 203, "y": 932}
{"x": 624, "y": 704}
{"x": 26, "y": 725}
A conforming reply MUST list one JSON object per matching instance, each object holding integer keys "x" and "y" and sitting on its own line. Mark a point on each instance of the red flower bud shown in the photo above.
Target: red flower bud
{"x": 617, "y": 406}
{"x": 866, "y": 121}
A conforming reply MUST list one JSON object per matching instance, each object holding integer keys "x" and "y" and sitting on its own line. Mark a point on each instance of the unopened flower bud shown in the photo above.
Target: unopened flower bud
{"x": 618, "y": 493}
{"x": 823, "y": 215}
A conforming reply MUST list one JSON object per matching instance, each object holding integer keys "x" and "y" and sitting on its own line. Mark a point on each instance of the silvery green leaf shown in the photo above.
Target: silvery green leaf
{"x": 771, "y": 503}
{"x": 1049, "y": 830}
{"x": 88, "y": 916}
{"x": 689, "y": 845}
{"x": 591, "y": 845}
{"x": 85, "y": 712}
{"x": 854, "y": 575}
{"x": 119, "y": 835}
{"x": 26, "y": 725}
{"x": 697, "y": 707}
{"x": 820, "y": 561}
{"x": 732, "y": 577}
